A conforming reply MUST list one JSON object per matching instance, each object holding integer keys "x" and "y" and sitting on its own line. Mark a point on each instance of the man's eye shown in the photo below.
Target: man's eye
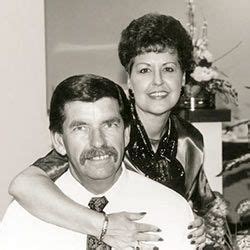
{"x": 112, "y": 124}
{"x": 79, "y": 128}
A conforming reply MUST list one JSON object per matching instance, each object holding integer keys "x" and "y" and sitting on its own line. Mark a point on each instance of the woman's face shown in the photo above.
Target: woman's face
{"x": 156, "y": 80}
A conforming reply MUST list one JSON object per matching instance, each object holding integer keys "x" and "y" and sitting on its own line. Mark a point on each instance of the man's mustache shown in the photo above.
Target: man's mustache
{"x": 97, "y": 152}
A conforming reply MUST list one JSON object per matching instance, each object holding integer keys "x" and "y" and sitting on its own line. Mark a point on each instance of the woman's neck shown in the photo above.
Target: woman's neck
{"x": 155, "y": 125}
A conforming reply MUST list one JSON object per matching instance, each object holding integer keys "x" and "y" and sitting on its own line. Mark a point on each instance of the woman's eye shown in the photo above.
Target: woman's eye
{"x": 144, "y": 70}
{"x": 168, "y": 69}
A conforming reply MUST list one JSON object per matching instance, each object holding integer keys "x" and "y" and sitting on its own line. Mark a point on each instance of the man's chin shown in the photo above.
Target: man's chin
{"x": 104, "y": 174}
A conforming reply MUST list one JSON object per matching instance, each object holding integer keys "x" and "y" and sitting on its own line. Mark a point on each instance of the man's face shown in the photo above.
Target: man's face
{"x": 94, "y": 139}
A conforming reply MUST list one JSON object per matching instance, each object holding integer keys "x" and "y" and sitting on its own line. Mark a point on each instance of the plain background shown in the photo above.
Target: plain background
{"x": 81, "y": 37}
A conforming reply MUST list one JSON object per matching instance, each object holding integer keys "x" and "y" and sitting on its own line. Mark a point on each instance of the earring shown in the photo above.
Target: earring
{"x": 182, "y": 91}
{"x": 131, "y": 95}
{"x": 183, "y": 83}
{"x": 183, "y": 80}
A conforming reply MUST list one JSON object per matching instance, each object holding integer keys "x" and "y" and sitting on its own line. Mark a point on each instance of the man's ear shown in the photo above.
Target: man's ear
{"x": 127, "y": 135}
{"x": 57, "y": 142}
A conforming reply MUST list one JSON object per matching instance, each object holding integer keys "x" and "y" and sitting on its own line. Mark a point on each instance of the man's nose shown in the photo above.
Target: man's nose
{"x": 97, "y": 138}
{"x": 157, "y": 78}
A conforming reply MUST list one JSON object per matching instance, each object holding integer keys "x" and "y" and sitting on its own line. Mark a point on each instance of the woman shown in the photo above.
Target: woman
{"x": 156, "y": 51}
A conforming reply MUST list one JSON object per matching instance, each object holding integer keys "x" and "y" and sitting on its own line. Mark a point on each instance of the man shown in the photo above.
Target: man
{"x": 89, "y": 121}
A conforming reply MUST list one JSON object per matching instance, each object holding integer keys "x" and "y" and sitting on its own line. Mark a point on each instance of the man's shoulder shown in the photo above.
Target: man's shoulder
{"x": 154, "y": 190}
{"x": 163, "y": 206}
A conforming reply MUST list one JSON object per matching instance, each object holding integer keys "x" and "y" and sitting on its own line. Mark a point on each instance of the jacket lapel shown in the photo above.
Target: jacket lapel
{"x": 189, "y": 152}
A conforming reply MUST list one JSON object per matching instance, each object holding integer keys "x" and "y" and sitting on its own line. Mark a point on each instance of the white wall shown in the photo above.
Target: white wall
{"x": 24, "y": 134}
{"x": 82, "y": 36}
{"x": 212, "y": 137}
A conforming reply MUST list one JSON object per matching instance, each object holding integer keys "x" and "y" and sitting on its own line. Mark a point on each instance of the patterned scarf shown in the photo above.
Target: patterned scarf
{"x": 162, "y": 165}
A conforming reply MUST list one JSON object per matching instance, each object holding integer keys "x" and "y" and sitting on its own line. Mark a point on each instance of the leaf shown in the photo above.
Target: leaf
{"x": 233, "y": 164}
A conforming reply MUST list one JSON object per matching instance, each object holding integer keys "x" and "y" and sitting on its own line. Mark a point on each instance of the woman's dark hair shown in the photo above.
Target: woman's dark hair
{"x": 155, "y": 33}
{"x": 85, "y": 88}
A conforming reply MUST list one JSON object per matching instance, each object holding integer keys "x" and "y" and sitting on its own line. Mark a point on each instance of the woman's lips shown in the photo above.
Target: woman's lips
{"x": 158, "y": 94}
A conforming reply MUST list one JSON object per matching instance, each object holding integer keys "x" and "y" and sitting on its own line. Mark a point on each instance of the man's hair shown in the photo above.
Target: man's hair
{"x": 85, "y": 88}
{"x": 155, "y": 33}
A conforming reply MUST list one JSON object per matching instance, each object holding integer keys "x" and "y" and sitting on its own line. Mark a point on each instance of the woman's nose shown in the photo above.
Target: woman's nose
{"x": 158, "y": 78}
{"x": 97, "y": 138}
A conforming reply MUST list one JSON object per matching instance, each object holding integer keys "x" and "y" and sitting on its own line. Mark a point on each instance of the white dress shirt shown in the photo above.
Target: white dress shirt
{"x": 132, "y": 192}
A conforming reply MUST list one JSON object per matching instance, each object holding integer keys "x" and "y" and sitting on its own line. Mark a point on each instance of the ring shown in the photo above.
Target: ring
{"x": 137, "y": 245}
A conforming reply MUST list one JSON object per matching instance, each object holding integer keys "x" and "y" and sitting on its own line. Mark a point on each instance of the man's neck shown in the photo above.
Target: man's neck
{"x": 97, "y": 186}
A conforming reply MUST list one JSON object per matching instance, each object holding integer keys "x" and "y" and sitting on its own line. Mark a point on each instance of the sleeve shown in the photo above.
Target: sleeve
{"x": 53, "y": 164}
{"x": 212, "y": 207}
{"x": 203, "y": 196}
{"x": 215, "y": 221}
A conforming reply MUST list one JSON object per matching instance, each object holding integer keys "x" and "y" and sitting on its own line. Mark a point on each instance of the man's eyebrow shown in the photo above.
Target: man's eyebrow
{"x": 77, "y": 123}
{"x": 112, "y": 120}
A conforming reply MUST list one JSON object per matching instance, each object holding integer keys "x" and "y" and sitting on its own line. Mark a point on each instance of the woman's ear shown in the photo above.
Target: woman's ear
{"x": 57, "y": 142}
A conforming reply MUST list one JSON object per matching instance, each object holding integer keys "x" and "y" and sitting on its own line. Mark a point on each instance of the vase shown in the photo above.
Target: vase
{"x": 196, "y": 97}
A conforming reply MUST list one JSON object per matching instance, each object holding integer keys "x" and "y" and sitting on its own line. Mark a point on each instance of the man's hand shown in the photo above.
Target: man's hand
{"x": 124, "y": 232}
{"x": 197, "y": 234}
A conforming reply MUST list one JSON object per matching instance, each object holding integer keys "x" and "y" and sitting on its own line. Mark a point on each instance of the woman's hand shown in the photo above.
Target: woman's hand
{"x": 197, "y": 233}
{"x": 124, "y": 232}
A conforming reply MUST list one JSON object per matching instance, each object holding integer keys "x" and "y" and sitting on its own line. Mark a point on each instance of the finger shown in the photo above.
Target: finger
{"x": 146, "y": 246}
{"x": 118, "y": 243}
{"x": 143, "y": 245}
{"x": 201, "y": 246}
{"x": 148, "y": 237}
{"x": 197, "y": 244}
{"x": 191, "y": 204}
{"x": 198, "y": 222}
{"x": 198, "y": 232}
{"x": 198, "y": 238}
{"x": 134, "y": 216}
{"x": 142, "y": 227}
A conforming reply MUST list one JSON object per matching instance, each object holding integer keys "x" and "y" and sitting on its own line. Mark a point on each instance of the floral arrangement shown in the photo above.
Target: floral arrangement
{"x": 205, "y": 75}
{"x": 218, "y": 233}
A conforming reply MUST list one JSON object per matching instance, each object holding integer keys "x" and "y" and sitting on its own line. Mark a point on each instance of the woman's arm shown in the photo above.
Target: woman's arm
{"x": 58, "y": 209}
{"x": 27, "y": 188}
